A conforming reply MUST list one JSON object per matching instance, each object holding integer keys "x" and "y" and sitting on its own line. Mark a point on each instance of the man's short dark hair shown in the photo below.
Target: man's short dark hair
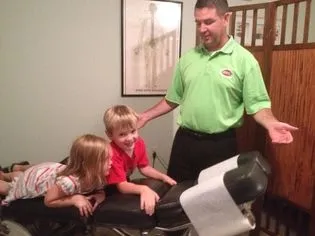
{"x": 221, "y": 5}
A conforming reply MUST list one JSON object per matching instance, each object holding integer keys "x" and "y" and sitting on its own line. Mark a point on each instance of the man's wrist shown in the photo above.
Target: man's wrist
{"x": 269, "y": 123}
{"x": 146, "y": 117}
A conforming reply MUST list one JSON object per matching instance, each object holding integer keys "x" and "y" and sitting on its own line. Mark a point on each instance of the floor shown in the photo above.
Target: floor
{"x": 106, "y": 232}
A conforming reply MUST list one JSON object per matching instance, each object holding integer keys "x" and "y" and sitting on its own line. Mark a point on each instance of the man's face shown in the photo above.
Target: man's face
{"x": 211, "y": 27}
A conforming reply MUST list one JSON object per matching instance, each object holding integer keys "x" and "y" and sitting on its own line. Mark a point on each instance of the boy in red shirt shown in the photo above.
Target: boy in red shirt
{"x": 129, "y": 152}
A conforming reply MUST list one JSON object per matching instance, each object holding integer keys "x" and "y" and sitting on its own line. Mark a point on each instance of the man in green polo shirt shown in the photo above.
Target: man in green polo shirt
{"x": 213, "y": 84}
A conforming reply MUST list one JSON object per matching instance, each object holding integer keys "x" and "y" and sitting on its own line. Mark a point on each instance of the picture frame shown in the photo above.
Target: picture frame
{"x": 151, "y": 45}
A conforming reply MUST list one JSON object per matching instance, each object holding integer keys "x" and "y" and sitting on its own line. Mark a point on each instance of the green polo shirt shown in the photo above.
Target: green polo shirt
{"x": 213, "y": 88}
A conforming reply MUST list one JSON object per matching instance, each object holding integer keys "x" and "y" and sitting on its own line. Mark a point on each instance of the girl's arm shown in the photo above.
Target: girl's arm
{"x": 55, "y": 197}
{"x": 98, "y": 198}
{"x": 149, "y": 171}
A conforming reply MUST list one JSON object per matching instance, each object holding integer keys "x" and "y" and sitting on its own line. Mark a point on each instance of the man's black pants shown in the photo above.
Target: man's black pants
{"x": 194, "y": 151}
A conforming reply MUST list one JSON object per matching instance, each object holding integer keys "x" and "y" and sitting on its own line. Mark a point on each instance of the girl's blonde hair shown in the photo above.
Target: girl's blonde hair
{"x": 88, "y": 160}
{"x": 120, "y": 117}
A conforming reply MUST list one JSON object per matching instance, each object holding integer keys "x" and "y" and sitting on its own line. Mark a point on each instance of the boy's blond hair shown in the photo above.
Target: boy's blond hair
{"x": 120, "y": 117}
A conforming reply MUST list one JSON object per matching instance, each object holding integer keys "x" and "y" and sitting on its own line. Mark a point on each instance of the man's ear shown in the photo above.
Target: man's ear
{"x": 227, "y": 17}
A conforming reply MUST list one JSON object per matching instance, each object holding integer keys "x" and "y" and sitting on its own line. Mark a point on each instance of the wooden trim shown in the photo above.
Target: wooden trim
{"x": 294, "y": 46}
{"x": 287, "y": 2}
{"x": 243, "y": 28}
{"x": 312, "y": 220}
{"x": 284, "y": 23}
{"x": 232, "y": 22}
{"x": 268, "y": 232}
{"x": 267, "y": 52}
{"x": 307, "y": 21}
{"x": 312, "y": 210}
{"x": 255, "y": 48}
{"x": 270, "y": 18}
{"x": 255, "y": 14}
{"x": 257, "y": 208}
{"x": 295, "y": 22}
{"x": 250, "y": 7}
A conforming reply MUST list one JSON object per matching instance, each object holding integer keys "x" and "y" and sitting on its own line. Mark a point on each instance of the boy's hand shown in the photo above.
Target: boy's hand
{"x": 168, "y": 180}
{"x": 97, "y": 197}
{"x": 148, "y": 198}
{"x": 83, "y": 204}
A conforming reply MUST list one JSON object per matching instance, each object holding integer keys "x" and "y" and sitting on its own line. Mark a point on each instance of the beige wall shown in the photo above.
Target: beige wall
{"x": 60, "y": 68}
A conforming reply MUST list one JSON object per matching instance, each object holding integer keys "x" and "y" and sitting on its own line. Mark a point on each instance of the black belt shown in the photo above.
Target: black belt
{"x": 230, "y": 133}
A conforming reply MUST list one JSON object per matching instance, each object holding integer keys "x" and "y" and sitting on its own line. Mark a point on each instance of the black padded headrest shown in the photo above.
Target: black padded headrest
{"x": 254, "y": 156}
{"x": 249, "y": 181}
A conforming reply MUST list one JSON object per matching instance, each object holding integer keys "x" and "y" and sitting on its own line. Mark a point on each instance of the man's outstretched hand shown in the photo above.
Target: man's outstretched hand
{"x": 280, "y": 132}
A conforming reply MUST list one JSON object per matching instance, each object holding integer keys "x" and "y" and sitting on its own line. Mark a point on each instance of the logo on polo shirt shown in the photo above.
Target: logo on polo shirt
{"x": 227, "y": 73}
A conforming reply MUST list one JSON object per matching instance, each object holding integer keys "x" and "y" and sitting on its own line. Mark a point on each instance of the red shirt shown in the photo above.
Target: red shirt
{"x": 123, "y": 165}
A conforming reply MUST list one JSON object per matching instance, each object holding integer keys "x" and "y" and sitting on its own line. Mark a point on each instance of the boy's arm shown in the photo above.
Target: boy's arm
{"x": 130, "y": 188}
{"x": 148, "y": 197}
{"x": 149, "y": 171}
{"x": 146, "y": 169}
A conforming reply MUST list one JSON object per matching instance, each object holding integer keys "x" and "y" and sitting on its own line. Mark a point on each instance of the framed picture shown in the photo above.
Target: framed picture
{"x": 151, "y": 43}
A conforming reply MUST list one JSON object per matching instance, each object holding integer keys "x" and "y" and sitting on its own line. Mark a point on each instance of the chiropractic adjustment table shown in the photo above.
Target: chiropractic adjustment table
{"x": 218, "y": 203}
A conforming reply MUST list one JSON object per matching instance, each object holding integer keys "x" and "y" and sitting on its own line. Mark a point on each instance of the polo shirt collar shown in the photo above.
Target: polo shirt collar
{"x": 226, "y": 49}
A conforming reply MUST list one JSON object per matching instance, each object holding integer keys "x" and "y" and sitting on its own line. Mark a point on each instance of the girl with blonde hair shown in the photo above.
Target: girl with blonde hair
{"x": 65, "y": 185}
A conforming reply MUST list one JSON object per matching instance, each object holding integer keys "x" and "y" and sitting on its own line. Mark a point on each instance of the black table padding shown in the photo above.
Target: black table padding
{"x": 35, "y": 208}
{"x": 245, "y": 183}
{"x": 169, "y": 212}
{"x": 123, "y": 210}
